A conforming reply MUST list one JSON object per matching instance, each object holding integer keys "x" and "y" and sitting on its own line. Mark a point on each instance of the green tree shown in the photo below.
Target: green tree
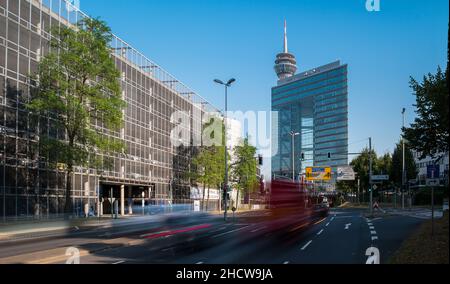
{"x": 209, "y": 164}
{"x": 361, "y": 166}
{"x": 429, "y": 134}
{"x": 78, "y": 87}
{"x": 384, "y": 164}
{"x": 397, "y": 165}
{"x": 244, "y": 169}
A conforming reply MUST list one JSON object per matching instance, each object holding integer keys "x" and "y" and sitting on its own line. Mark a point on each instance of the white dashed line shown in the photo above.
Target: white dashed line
{"x": 321, "y": 231}
{"x": 327, "y": 224}
{"x": 374, "y": 238}
{"x": 286, "y": 262}
{"x": 307, "y": 245}
{"x": 370, "y": 224}
{"x": 373, "y": 232}
{"x": 372, "y": 227}
{"x": 199, "y": 262}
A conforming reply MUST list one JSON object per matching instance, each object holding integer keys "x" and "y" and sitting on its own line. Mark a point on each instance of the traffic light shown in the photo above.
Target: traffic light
{"x": 260, "y": 160}
{"x": 329, "y": 155}
{"x": 303, "y": 156}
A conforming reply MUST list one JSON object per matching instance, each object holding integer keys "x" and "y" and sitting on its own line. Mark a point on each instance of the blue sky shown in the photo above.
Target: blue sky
{"x": 199, "y": 40}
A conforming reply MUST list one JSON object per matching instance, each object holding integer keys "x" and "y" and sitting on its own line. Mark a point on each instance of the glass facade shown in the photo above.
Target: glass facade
{"x": 28, "y": 187}
{"x": 314, "y": 104}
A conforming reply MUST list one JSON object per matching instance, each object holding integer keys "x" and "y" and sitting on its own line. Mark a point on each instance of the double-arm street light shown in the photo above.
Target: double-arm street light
{"x": 293, "y": 134}
{"x": 225, "y": 188}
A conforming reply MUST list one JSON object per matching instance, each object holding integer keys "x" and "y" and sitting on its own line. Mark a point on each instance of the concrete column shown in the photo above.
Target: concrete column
{"x": 130, "y": 200}
{"x": 122, "y": 200}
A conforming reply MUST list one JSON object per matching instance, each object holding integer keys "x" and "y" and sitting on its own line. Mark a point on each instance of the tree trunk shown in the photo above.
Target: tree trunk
{"x": 68, "y": 203}
{"x": 207, "y": 200}
{"x": 237, "y": 200}
{"x": 203, "y": 197}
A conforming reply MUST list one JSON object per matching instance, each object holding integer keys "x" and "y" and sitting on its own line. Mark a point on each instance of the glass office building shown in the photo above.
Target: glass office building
{"x": 151, "y": 166}
{"x": 314, "y": 105}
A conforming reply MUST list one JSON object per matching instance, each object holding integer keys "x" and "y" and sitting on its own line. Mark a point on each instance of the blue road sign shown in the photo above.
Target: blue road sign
{"x": 433, "y": 171}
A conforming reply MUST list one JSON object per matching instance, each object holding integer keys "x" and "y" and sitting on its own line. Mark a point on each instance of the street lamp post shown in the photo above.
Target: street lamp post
{"x": 293, "y": 134}
{"x": 370, "y": 176}
{"x": 227, "y": 85}
{"x": 403, "y": 163}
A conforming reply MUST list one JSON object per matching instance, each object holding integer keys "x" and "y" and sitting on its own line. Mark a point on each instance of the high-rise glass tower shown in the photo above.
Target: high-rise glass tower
{"x": 315, "y": 104}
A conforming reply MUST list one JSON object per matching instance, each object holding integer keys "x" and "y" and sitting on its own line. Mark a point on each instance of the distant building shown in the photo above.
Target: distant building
{"x": 422, "y": 169}
{"x": 315, "y": 105}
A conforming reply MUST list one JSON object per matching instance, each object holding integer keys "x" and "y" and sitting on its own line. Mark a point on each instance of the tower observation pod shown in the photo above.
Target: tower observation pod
{"x": 286, "y": 64}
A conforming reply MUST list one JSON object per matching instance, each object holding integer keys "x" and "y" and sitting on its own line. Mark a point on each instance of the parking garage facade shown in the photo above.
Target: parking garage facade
{"x": 152, "y": 170}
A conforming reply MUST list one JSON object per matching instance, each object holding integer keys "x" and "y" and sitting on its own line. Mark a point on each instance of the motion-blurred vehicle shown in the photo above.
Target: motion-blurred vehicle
{"x": 293, "y": 207}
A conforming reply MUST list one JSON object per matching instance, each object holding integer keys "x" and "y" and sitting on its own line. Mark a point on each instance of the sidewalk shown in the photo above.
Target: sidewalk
{"x": 54, "y": 228}
{"x": 25, "y": 230}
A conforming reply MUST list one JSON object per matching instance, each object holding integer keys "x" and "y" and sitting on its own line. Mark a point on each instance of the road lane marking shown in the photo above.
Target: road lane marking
{"x": 167, "y": 234}
{"x": 347, "y": 226}
{"x": 200, "y": 262}
{"x": 320, "y": 221}
{"x": 119, "y": 262}
{"x": 374, "y": 238}
{"x": 259, "y": 229}
{"x": 370, "y": 224}
{"x": 321, "y": 231}
{"x": 299, "y": 227}
{"x": 372, "y": 227}
{"x": 327, "y": 224}
{"x": 332, "y": 219}
{"x": 307, "y": 245}
{"x": 220, "y": 229}
{"x": 229, "y": 232}
{"x": 373, "y": 232}
{"x": 286, "y": 262}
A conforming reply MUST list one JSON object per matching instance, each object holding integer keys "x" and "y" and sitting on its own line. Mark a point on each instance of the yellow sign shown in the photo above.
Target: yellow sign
{"x": 318, "y": 174}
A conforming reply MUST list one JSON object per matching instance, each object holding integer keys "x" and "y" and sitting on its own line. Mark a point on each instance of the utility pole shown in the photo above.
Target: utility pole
{"x": 359, "y": 185}
{"x": 293, "y": 134}
{"x": 370, "y": 176}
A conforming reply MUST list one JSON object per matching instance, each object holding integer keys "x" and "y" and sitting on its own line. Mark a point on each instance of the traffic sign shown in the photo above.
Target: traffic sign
{"x": 380, "y": 178}
{"x": 345, "y": 174}
{"x": 318, "y": 173}
{"x": 433, "y": 172}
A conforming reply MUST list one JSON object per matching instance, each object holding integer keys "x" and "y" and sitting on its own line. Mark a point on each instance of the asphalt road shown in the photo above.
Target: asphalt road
{"x": 341, "y": 238}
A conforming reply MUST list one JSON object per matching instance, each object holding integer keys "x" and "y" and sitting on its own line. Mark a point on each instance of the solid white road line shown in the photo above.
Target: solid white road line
{"x": 373, "y": 232}
{"x": 305, "y": 246}
{"x": 259, "y": 229}
{"x": 229, "y": 232}
{"x": 119, "y": 262}
{"x": 321, "y": 231}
